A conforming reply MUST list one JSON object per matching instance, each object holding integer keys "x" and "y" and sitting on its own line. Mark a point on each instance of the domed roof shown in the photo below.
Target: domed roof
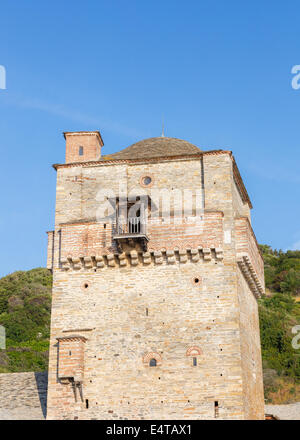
{"x": 155, "y": 147}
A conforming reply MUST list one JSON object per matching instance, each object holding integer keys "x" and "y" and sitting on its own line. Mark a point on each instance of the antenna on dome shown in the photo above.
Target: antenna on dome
{"x": 163, "y": 127}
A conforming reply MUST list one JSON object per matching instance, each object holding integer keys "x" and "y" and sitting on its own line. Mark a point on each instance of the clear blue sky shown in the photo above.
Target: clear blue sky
{"x": 219, "y": 71}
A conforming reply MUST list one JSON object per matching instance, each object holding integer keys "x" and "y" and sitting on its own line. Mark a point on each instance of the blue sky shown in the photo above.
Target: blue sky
{"x": 219, "y": 72}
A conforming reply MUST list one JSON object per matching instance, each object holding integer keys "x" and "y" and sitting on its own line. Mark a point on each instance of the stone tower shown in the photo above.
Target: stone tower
{"x": 156, "y": 277}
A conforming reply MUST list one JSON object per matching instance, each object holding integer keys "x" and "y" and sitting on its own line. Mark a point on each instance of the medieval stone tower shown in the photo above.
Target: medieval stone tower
{"x": 156, "y": 278}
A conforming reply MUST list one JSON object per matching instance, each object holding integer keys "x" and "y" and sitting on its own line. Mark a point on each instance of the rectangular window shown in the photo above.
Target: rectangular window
{"x": 80, "y": 151}
{"x": 194, "y": 362}
{"x": 216, "y": 409}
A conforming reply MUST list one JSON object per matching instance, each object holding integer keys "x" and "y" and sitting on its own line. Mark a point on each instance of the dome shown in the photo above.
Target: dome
{"x": 155, "y": 147}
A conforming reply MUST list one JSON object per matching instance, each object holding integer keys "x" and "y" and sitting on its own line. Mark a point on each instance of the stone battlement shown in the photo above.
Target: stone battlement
{"x": 134, "y": 258}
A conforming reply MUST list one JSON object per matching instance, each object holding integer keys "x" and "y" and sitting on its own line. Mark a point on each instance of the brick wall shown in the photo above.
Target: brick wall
{"x": 86, "y": 239}
{"x": 90, "y": 144}
{"x": 71, "y": 357}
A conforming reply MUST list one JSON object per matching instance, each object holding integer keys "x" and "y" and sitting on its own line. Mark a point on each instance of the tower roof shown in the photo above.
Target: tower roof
{"x": 155, "y": 147}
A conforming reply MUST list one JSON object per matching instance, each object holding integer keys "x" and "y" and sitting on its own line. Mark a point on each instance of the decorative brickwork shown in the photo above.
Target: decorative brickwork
{"x": 194, "y": 351}
{"x": 71, "y": 357}
{"x": 147, "y": 358}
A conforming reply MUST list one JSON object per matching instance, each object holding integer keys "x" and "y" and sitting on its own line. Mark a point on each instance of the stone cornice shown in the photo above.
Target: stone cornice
{"x": 134, "y": 258}
{"x": 72, "y": 338}
{"x": 250, "y": 275}
{"x": 84, "y": 133}
{"x": 137, "y": 161}
{"x": 239, "y": 182}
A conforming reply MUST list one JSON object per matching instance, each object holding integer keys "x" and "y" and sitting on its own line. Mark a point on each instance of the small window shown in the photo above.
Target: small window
{"x": 216, "y": 409}
{"x": 80, "y": 151}
{"x": 147, "y": 180}
{"x": 194, "y": 362}
{"x": 152, "y": 362}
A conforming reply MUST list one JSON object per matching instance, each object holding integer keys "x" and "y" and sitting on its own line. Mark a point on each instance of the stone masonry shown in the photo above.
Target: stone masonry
{"x": 161, "y": 322}
{"x": 23, "y": 396}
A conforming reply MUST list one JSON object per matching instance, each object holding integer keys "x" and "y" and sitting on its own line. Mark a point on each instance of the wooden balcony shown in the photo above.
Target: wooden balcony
{"x": 134, "y": 226}
{"x": 130, "y": 230}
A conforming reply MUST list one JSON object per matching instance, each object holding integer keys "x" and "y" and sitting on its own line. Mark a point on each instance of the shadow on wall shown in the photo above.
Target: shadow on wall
{"x": 42, "y": 387}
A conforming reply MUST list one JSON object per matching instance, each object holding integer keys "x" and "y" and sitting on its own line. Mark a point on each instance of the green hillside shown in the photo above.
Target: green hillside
{"x": 279, "y": 312}
{"x": 25, "y": 303}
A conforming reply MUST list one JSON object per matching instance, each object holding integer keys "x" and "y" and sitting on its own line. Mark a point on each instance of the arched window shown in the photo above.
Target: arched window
{"x": 194, "y": 353}
{"x": 152, "y": 362}
{"x": 80, "y": 151}
{"x": 152, "y": 359}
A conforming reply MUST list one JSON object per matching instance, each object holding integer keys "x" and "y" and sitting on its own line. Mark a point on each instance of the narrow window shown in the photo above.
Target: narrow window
{"x": 147, "y": 312}
{"x": 152, "y": 363}
{"x": 216, "y": 409}
{"x": 70, "y": 353}
{"x": 80, "y": 151}
{"x": 86, "y": 403}
{"x": 194, "y": 362}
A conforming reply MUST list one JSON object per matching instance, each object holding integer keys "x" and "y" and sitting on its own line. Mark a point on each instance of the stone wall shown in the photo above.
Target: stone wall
{"x": 23, "y": 396}
{"x": 126, "y": 313}
{"x": 187, "y": 294}
{"x": 250, "y": 351}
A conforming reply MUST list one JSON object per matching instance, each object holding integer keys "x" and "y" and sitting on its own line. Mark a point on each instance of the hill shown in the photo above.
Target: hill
{"x": 279, "y": 312}
{"x": 25, "y": 305}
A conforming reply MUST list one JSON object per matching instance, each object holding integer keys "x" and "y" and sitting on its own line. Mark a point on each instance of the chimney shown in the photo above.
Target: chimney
{"x": 83, "y": 146}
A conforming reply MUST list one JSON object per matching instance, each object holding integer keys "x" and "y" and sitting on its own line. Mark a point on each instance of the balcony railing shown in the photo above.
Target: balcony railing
{"x": 134, "y": 226}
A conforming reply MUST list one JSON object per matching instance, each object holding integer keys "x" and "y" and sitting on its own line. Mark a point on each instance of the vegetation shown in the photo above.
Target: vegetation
{"x": 279, "y": 312}
{"x": 25, "y": 303}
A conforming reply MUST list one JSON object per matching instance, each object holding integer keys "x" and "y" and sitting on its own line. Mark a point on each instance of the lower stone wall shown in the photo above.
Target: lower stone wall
{"x": 23, "y": 396}
{"x": 130, "y": 314}
{"x": 253, "y": 392}
{"x": 284, "y": 412}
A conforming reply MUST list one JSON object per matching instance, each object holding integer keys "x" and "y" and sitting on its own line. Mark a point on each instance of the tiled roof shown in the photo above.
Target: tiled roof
{"x": 154, "y": 147}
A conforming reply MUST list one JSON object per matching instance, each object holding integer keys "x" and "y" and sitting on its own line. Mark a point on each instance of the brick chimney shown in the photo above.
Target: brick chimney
{"x": 83, "y": 146}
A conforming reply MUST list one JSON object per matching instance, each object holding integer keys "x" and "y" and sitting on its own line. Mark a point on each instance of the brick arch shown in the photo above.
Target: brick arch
{"x": 152, "y": 355}
{"x": 194, "y": 351}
